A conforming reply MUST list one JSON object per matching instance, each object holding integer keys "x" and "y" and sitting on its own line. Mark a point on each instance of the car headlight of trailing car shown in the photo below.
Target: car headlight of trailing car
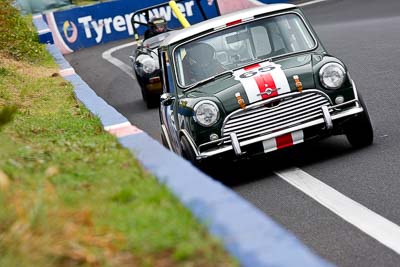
{"x": 206, "y": 113}
{"x": 148, "y": 64}
{"x": 332, "y": 75}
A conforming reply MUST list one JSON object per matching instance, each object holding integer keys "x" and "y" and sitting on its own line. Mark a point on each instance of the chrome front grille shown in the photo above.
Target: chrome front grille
{"x": 263, "y": 118}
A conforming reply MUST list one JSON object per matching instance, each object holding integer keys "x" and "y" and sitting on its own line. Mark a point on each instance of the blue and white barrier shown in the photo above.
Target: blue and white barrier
{"x": 87, "y": 26}
{"x": 45, "y": 36}
{"x": 247, "y": 233}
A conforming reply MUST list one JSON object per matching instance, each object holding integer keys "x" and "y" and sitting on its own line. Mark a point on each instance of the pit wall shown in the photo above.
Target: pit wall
{"x": 86, "y": 26}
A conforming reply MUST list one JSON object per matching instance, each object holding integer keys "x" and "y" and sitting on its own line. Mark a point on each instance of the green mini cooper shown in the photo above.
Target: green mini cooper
{"x": 252, "y": 82}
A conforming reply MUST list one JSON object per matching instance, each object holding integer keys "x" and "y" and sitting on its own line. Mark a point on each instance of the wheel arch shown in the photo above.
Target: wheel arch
{"x": 193, "y": 146}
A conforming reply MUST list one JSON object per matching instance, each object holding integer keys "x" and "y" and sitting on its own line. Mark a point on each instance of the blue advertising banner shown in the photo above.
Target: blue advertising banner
{"x": 109, "y": 21}
{"x": 87, "y": 26}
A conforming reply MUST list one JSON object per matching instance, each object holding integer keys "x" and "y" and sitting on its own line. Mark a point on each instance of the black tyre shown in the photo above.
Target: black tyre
{"x": 144, "y": 92}
{"x": 359, "y": 130}
{"x": 152, "y": 101}
{"x": 187, "y": 151}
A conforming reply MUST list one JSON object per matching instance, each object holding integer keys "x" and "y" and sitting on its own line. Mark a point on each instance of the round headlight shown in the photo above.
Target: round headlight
{"x": 148, "y": 64}
{"x": 332, "y": 75}
{"x": 206, "y": 113}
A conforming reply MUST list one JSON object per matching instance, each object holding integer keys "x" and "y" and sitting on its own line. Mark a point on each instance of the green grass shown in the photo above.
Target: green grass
{"x": 17, "y": 38}
{"x": 70, "y": 195}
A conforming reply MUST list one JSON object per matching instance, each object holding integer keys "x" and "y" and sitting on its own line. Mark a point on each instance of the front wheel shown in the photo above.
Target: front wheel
{"x": 152, "y": 101}
{"x": 359, "y": 130}
{"x": 144, "y": 92}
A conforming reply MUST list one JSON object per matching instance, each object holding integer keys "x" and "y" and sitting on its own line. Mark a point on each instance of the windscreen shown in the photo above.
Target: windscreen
{"x": 239, "y": 46}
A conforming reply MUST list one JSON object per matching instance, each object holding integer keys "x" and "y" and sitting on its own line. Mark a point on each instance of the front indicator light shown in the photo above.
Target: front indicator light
{"x": 339, "y": 100}
{"x": 214, "y": 136}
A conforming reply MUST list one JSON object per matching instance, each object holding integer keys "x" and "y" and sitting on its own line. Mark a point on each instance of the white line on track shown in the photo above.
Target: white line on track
{"x": 107, "y": 55}
{"x": 371, "y": 223}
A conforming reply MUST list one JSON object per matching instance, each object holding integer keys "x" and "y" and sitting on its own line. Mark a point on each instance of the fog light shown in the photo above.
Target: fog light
{"x": 214, "y": 137}
{"x": 339, "y": 100}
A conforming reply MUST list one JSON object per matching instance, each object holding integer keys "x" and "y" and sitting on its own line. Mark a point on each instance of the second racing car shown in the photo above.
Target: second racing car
{"x": 144, "y": 58}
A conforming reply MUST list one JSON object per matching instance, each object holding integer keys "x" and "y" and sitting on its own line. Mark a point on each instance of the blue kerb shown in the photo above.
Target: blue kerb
{"x": 58, "y": 57}
{"x": 107, "y": 114}
{"x": 248, "y": 234}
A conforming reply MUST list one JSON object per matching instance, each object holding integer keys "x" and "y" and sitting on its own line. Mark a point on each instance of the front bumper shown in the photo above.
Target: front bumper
{"x": 329, "y": 118}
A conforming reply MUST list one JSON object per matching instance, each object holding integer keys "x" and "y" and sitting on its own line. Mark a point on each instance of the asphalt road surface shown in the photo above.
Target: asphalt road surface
{"x": 366, "y": 36}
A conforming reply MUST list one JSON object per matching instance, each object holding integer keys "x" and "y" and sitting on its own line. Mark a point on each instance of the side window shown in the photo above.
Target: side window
{"x": 166, "y": 72}
{"x": 163, "y": 70}
{"x": 180, "y": 55}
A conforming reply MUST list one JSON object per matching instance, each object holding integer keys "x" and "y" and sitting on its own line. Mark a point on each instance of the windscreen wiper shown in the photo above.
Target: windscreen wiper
{"x": 219, "y": 75}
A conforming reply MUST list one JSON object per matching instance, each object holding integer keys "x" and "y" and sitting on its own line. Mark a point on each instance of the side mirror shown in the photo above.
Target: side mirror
{"x": 167, "y": 99}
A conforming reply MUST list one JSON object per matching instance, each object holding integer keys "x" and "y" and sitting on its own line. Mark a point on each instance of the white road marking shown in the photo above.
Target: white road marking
{"x": 311, "y": 2}
{"x": 371, "y": 223}
{"x": 107, "y": 55}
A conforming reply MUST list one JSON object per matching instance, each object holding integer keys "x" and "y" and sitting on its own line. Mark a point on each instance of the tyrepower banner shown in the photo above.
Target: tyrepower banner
{"x": 87, "y": 26}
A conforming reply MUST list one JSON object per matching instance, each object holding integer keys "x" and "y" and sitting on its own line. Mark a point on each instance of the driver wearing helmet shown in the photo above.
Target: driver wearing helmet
{"x": 200, "y": 63}
{"x": 156, "y": 25}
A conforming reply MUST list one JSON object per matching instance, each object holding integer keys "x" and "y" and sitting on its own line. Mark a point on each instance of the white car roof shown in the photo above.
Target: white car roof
{"x": 221, "y": 21}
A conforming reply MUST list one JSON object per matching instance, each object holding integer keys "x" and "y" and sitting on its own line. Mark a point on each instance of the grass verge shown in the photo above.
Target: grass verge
{"x": 70, "y": 195}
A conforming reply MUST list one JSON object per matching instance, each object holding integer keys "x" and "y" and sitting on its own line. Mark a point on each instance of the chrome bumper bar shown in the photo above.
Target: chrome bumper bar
{"x": 236, "y": 145}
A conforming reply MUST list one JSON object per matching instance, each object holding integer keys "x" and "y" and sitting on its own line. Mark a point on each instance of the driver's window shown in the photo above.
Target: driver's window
{"x": 166, "y": 72}
{"x": 179, "y": 56}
